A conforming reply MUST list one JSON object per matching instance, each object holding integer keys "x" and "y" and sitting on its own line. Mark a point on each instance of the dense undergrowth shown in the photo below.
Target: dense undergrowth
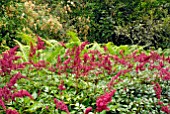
{"x": 81, "y": 77}
{"x": 89, "y": 58}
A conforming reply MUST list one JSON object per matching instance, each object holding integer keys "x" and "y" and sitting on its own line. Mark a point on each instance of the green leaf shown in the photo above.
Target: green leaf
{"x": 23, "y": 50}
{"x": 103, "y": 112}
{"x": 96, "y": 46}
{"x": 34, "y": 107}
{"x": 51, "y": 55}
{"x": 123, "y": 47}
{"x": 74, "y": 37}
{"x": 25, "y": 37}
{"x": 34, "y": 94}
{"x": 110, "y": 46}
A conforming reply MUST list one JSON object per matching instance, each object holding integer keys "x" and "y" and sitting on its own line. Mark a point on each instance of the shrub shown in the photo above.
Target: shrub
{"x": 122, "y": 22}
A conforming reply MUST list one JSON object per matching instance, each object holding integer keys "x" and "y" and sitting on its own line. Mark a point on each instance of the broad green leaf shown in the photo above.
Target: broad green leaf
{"x": 110, "y": 46}
{"x": 96, "y": 46}
{"x": 51, "y": 55}
{"x": 73, "y": 37}
{"x": 23, "y": 50}
{"x": 25, "y": 37}
{"x": 124, "y": 47}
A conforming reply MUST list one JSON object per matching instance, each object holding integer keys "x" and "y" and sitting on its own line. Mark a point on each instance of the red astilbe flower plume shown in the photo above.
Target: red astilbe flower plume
{"x": 86, "y": 57}
{"x": 40, "y": 64}
{"x": 7, "y": 63}
{"x": 82, "y": 46}
{"x": 21, "y": 93}
{"x": 158, "y": 90}
{"x": 88, "y": 109}
{"x": 103, "y": 100}
{"x": 10, "y": 111}
{"x": 160, "y": 103}
{"x": 32, "y": 50}
{"x": 2, "y": 104}
{"x": 61, "y": 105}
{"x": 61, "y": 86}
{"x": 166, "y": 109}
{"x": 116, "y": 77}
{"x": 5, "y": 93}
{"x": 165, "y": 74}
{"x": 14, "y": 79}
{"x": 40, "y": 44}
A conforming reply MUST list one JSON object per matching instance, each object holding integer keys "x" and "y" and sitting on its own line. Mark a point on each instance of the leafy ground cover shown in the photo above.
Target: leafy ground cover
{"x": 50, "y": 77}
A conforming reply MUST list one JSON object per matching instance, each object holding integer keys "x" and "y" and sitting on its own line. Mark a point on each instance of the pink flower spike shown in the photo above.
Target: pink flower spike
{"x": 61, "y": 86}
{"x": 2, "y": 104}
{"x": 166, "y": 109}
{"x": 10, "y": 111}
{"x": 160, "y": 103}
{"x": 61, "y": 105}
{"x": 40, "y": 44}
{"x": 14, "y": 79}
{"x": 88, "y": 109}
{"x": 21, "y": 93}
{"x": 103, "y": 101}
{"x": 158, "y": 90}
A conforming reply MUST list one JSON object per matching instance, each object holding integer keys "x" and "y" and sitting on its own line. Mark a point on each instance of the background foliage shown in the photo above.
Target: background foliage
{"x": 126, "y": 22}
{"x": 119, "y": 21}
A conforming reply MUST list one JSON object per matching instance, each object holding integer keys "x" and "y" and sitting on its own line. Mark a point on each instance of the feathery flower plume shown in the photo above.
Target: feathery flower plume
{"x": 103, "y": 101}
{"x": 88, "y": 109}
{"x": 61, "y": 105}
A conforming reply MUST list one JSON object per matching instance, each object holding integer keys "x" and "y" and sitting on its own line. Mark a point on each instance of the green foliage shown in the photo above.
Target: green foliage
{"x": 134, "y": 91}
{"x": 21, "y": 19}
{"x": 138, "y": 22}
{"x": 123, "y": 22}
{"x": 10, "y": 21}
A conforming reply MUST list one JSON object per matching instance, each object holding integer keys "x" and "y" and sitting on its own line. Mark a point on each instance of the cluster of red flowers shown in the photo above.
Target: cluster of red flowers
{"x": 33, "y": 49}
{"x": 80, "y": 63}
{"x": 158, "y": 90}
{"x": 166, "y": 109}
{"x": 7, "y": 62}
{"x": 61, "y": 105}
{"x": 40, "y": 43}
{"x": 61, "y": 86}
{"x": 10, "y": 111}
{"x": 21, "y": 93}
{"x": 103, "y": 100}
{"x": 156, "y": 62}
{"x": 14, "y": 79}
{"x": 88, "y": 109}
{"x": 6, "y": 94}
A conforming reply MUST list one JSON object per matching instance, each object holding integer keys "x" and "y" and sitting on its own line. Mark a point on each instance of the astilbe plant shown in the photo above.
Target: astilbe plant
{"x": 159, "y": 65}
{"x": 92, "y": 62}
{"x": 88, "y": 109}
{"x": 103, "y": 101}
{"x": 10, "y": 111}
{"x": 89, "y": 65}
{"x": 61, "y": 105}
{"x": 8, "y": 92}
{"x": 83, "y": 65}
{"x": 7, "y": 61}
